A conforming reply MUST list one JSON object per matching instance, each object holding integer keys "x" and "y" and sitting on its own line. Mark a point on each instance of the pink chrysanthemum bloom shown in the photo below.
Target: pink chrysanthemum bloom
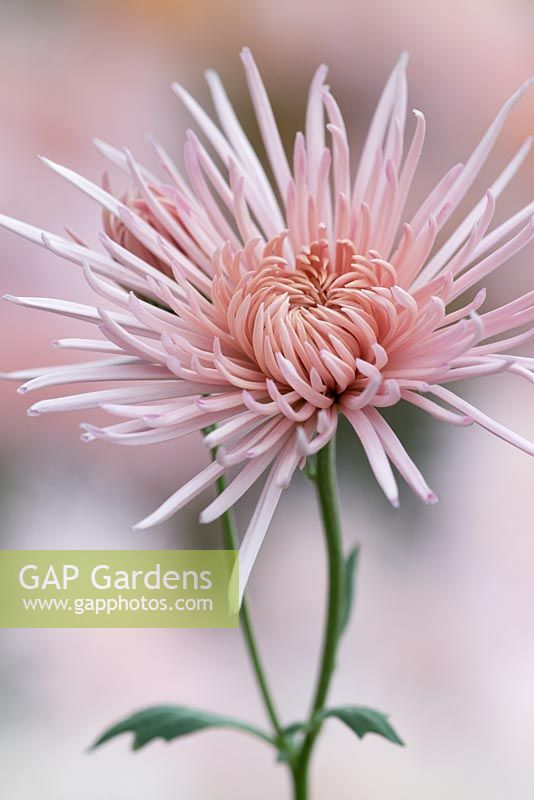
{"x": 269, "y": 311}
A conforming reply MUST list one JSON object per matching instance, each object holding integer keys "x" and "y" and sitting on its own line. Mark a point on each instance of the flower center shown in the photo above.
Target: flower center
{"x": 322, "y": 312}
{"x": 317, "y": 279}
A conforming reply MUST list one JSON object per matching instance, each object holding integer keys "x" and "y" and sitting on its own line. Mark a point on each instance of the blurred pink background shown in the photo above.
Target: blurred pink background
{"x": 443, "y": 635}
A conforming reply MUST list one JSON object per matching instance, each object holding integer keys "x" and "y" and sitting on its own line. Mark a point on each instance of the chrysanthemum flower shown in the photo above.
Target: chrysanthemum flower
{"x": 267, "y": 311}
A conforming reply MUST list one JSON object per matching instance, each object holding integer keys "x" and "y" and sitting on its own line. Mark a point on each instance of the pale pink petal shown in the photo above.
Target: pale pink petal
{"x": 180, "y": 498}
{"x": 375, "y": 453}
{"x": 263, "y": 513}
{"x": 398, "y": 455}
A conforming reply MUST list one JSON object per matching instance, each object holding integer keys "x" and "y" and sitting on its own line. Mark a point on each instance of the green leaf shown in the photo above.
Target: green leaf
{"x": 294, "y": 728}
{"x": 171, "y": 722}
{"x": 351, "y": 564}
{"x": 363, "y": 720}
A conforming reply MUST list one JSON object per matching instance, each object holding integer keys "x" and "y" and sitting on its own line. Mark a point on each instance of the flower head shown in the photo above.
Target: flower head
{"x": 118, "y": 232}
{"x": 264, "y": 312}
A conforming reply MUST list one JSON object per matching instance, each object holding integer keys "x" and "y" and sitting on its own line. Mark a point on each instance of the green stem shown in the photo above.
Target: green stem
{"x": 326, "y": 488}
{"x": 324, "y": 477}
{"x": 231, "y": 543}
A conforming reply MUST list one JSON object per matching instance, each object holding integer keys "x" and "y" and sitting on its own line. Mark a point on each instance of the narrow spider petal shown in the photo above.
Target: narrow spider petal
{"x": 86, "y": 400}
{"x": 315, "y": 137}
{"x": 267, "y": 123}
{"x": 78, "y": 311}
{"x": 188, "y": 492}
{"x": 237, "y": 488}
{"x": 444, "y": 254}
{"x": 120, "y": 160}
{"x": 497, "y": 234}
{"x": 477, "y": 159}
{"x": 263, "y": 514}
{"x": 113, "y": 371}
{"x": 377, "y": 129}
{"x": 87, "y": 345}
{"x": 436, "y": 411}
{"x": 398, "y": 455}
{"x": 249, "y": 158}
{"x": 375, "y": 453}
{"x": 483, "y": 420}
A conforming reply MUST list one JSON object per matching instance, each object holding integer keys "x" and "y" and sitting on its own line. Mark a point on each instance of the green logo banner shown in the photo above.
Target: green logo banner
{"x": 118, "y": 589}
